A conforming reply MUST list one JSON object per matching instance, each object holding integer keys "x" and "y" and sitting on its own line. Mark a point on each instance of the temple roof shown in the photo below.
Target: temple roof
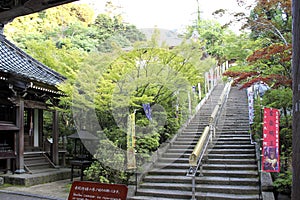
{"x": 10, "y": 9}
{"x": 16, "y": 62}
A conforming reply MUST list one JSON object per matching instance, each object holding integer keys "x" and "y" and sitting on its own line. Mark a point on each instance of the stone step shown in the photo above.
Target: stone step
{"x": 179, "y": 151}
{"x": 185, "y": 142}
{"x": 225, "y": 196}
{"x": 229, "y": 167}
{"x": 232, "y": 142}
{"x": 232, "y": 151}
{"x": 215, "y": 196}
{"x": 176, "y": 155}
{"x": 171, "y": 160}
{"x": 232, "y": 161}
{"x": 178, "y": 146}
{"x": 188, "y": 138}
{"x": 229, "y": 135}
{"x": 230, "y": 131}
{"x": 230, "y": 156}
{"x": 233, "y": 138}
{"x": 231, "y": 173}
{"x": 206, "y": 166}
{"x": 202, "y": 180}
{"x": 159, "y": 193}
{"x": 184, "y": 166}
{"x": 189, "y": 132}
{"x": 170, "y": 172}
{"x": 228, "y": 189}
{"x": 233, "y": 146}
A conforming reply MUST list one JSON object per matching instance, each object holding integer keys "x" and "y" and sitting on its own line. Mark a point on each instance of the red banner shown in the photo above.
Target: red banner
{"x": 270, "y": 161}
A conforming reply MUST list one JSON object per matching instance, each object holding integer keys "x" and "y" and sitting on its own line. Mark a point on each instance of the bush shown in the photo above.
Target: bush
{"x": 283, "y": 182}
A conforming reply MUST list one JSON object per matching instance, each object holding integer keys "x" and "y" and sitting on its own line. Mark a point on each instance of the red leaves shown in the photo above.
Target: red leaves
{"x": 249, "y": 78}
{"x": 284, "y": 52}
{"x": 234, "y": 74}
{"x": 285, "y": 5}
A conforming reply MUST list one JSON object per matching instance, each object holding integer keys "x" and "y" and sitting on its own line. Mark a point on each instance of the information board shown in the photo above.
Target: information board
{"x": 85, "y": 190}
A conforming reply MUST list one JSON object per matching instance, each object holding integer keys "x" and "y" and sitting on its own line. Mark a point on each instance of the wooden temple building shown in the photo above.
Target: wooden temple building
{"x": 28, "y": 89}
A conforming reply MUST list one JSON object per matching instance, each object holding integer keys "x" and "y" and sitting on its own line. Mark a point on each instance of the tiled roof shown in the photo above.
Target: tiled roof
{"x": 15, "y": 61}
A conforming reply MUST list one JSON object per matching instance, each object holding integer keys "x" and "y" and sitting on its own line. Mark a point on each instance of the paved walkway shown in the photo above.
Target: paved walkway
{"x": 58, "y": 190}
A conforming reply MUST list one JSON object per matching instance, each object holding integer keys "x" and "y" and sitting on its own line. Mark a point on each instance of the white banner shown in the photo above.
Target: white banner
{"x": 250, "y": 105}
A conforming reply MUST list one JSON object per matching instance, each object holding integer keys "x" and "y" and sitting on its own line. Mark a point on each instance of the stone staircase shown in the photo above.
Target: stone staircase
{"x": 36, "y": 162}
{"x": 230, "y": 170}
{"x": 167, "y": 179}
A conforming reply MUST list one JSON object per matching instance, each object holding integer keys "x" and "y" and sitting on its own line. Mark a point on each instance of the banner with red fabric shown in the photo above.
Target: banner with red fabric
{"x": 270, "y": 160}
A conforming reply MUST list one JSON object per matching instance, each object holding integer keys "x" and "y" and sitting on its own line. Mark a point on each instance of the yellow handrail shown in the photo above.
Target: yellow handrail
{"x": 214, "y": 114}
{"x": 193, "y": 159}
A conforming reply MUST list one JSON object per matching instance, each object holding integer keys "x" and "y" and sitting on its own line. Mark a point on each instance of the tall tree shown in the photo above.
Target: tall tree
{"x": 296, "y": 100}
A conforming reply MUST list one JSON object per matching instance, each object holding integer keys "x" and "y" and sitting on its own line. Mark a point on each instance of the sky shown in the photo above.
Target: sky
{"x": 168, "y": 14}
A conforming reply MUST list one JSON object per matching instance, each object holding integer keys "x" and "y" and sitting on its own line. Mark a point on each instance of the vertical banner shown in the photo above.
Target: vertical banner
{"x": 147, "y": 110}
{"x": 131, "y": 162}
{"x": 199, "y": 91}
{"x": 206, "y": 82}
{"x": 250, "y": 105}
{"x": 270, "y": 161}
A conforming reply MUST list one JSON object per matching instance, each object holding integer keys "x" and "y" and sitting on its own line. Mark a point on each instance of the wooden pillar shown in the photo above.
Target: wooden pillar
{"x": 296, "y": 100}
{"x": 20, "y": 138}
{"x": 41, "y": 135}
{"x": 55, "y": 159}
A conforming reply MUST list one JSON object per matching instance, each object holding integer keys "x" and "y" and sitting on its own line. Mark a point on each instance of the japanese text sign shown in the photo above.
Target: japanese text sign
{"x": 84, "y": 190}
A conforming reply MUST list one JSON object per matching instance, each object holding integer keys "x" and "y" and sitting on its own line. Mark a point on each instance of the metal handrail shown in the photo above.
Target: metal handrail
{"x": 195, "y": 159}
{"x": 199, "y": 150}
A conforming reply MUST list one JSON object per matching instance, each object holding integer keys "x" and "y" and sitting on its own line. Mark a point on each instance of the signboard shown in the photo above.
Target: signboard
{"x": 270, "y": 161}
{"x": 84, "y": 190}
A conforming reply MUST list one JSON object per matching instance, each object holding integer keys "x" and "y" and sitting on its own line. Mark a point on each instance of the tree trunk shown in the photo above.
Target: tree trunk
{"x": 296, "y": 99}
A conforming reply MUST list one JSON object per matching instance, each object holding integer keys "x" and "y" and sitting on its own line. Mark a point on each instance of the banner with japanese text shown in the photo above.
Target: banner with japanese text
{"x": 270, "y": 160}
{"x": 131, "y": 162}
{"x": 250, "y": 105}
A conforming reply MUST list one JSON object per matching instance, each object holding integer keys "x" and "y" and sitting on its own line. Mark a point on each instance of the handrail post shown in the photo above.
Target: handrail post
{"x": 193, "y": 188}
{"x": 201, "y": 168}
{"x": 212, "y": 132}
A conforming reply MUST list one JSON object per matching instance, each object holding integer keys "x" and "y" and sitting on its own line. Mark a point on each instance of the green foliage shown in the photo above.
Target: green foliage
{"x": 98, "y": 172}
{"x": 171, "y": 127}
{"x": 118, "y": 136}
{"x": 110, "y": 164}
{"x": 74, "y": 27}
{"x": 102, "y": 78}
{"x": 278, "y": 98}
{"x": 147, "y": 143}
{"x": 283, "y": 182}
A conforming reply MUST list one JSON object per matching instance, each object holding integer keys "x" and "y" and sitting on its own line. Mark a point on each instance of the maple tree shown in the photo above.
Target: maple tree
{"x": 271, "y": 21}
